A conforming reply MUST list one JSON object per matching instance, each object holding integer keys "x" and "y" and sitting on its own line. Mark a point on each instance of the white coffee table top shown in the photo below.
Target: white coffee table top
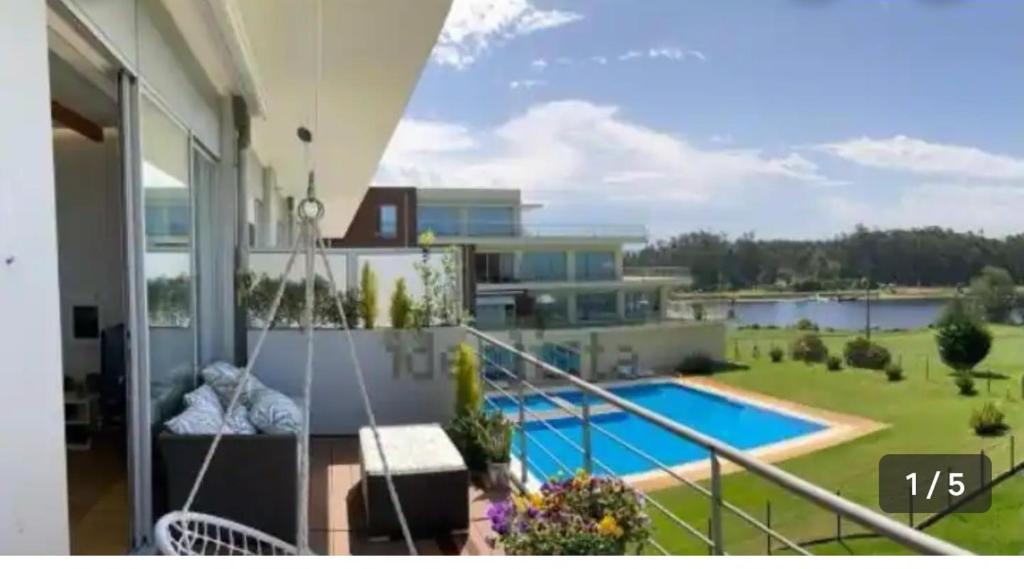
{"x": 410, "y": 449}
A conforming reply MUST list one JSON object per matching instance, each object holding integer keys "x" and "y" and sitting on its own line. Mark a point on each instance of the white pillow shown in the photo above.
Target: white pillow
{"x": 274, "y": 412}
{"x": 198, "y": 419}
{"x": 203, "y": 395}
{"x": 238, "y": 421}
{"x": 224, "y": 377}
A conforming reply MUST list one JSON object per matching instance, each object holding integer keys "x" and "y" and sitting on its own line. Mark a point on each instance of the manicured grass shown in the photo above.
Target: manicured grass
{"x": 925, "y": 413}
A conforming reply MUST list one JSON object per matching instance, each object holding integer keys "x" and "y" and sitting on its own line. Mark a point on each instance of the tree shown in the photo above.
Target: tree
{"x": 368, "y": 298}
{"x": 963, "y": 339}
{"x": 995, "y": 293}
{"x": 401, "y": 306}
{"x": 467, "y": 384}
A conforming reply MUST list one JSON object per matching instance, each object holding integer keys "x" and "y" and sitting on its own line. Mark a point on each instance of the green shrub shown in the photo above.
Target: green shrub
{"x": 808, "y": 348}
{"x": 863, "y": 353}
{"x": 481, "y": 437}
{"x": 776, "y": 354}
{"x": 368, "y": 299}
{"x": 806, "y": 324}
{"x": 964, "y": 382}
{"x": 401, "y": 306}
{"x": 988, "y": 420}
{"x": 350, "y": 305}
{"x": 894, "y": 372}
{"x": 963, "y": 339}
{"x": 696, "y": 364}
{"x": 834, "y": 363}
{"x": 466, "y": 374}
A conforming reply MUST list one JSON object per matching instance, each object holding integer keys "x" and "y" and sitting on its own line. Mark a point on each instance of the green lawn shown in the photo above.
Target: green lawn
{"x": 925, "y": 414}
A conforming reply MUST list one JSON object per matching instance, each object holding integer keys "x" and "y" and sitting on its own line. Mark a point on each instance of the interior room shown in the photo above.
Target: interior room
{"x": 91, "y": 221}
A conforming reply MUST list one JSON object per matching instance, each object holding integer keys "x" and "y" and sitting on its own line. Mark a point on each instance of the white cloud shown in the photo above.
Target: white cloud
{"x": 599, "y": 59}
{"x": 916, "y": 156}
{"x": 992, "y": 209}
{"x": 524, "y": 83}
{"x": 577, "y": 148}
{"x": 474, "y": 26}
{"x": 665, "y": 52}
{"x": 539, "y": 63}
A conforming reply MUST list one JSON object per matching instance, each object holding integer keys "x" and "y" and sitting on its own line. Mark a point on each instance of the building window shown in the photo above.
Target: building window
{"x": 543, "y": 266}
{"x": 388, "y": 222}
{"x": 595, "y": 266}
{"x": 494, "y": 221}
{"x": 494, "y": 267}
{"x": 642, "y": 304}
{"x": 596, "y": 307}
{"x": 442, "y": 221}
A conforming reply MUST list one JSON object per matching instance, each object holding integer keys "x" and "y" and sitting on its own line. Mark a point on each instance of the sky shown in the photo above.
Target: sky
{"x": 786, "y": 118}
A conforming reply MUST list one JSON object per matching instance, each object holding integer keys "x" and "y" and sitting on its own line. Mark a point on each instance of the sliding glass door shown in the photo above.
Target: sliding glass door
{"x": 168, "y": 263}
{"x": 160, "y": 243}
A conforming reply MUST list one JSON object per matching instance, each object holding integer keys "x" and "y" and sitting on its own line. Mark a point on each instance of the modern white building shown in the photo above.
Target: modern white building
{"x": 526, "y": 274}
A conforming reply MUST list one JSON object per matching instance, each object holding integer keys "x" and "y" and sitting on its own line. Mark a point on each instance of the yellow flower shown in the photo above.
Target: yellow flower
{"x": 608, "y": 526}
{"x": 519, "y": 503}
{"x": 536, "y": 500}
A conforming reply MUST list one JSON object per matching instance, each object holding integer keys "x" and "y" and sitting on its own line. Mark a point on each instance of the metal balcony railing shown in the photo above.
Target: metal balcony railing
{"x": 517, "y": 388}
{"x": 505, "y": 229}
{"x": 646, "y": 272}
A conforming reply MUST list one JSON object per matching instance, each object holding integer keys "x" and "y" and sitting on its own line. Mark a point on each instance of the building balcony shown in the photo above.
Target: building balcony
{"x": 485, "y": 232}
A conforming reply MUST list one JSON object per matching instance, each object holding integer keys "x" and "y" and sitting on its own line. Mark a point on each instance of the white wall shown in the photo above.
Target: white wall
{"x": 90, "y": 217}
{"x": 658, "y": 346}
{"x": 407, "y": 375}
{"x": 33, "y": 486}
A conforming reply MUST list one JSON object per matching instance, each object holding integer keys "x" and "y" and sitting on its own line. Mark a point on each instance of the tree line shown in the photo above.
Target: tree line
{"x": 930, "y": 256}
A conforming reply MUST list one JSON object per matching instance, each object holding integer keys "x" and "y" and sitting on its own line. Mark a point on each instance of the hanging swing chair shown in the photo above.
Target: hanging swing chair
{"x": 184, "y": 532}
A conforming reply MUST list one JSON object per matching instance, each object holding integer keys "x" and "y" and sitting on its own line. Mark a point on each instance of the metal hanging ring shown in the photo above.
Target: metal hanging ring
{"x": 310, "y": 209}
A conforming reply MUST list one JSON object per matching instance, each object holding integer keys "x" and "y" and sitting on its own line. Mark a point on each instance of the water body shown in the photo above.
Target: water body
{"x": 847, "y": 315}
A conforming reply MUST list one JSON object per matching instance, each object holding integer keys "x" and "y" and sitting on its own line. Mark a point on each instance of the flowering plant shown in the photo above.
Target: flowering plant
{"x": 581, "y": 515}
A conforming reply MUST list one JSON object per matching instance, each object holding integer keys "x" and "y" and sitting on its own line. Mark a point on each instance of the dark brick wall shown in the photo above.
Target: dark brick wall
{"x": 364, "y": 231}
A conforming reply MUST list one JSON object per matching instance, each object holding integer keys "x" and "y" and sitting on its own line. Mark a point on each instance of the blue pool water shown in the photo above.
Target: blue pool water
{"x": 743, "y": 426}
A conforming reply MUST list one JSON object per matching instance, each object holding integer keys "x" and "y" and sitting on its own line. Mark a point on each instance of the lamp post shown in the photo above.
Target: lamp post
{"x": 544, "y": 303}
{"x": 867, "y": 307}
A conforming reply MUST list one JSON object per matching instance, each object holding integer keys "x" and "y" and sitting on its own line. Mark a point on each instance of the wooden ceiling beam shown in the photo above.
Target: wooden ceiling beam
{"x": 76, "y": 122}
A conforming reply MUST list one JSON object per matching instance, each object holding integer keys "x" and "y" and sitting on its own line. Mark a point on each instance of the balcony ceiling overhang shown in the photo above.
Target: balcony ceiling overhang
{"x": 372, "y": 53}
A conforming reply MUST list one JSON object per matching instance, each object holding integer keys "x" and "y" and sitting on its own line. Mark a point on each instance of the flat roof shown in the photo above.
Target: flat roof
{"x": 470, "y": 195}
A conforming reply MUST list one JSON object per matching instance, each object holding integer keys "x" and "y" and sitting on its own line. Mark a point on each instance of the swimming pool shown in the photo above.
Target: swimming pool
{"x": 744, "y": 426}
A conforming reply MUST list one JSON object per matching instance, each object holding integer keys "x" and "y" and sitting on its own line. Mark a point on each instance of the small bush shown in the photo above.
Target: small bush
{"x": 988, "y": 420}
{"x": 965, "y": 383}
{"x": 466, "y": 374}
{"x": 863, "y": 353}
{"x": 368, "y": 300}
{"x": 963, "y": 339}
{"x": 697, "y": 364}
{"x": 808, "y": 348}
{"x": 834, "y": 363}
{"x": 401, "y": 306}
{"x": 776, "y": 354}
{"x": 805, "y": 324}
{"x": 894, "y": 372}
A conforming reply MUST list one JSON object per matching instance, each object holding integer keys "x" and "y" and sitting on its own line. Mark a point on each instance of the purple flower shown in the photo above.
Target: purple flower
{"x": 499, "y": 514}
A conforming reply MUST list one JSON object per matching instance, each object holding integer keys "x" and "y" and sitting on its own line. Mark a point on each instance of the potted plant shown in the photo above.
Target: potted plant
{"x": 497, "y": 442}
{"x": 581, "y": 515}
